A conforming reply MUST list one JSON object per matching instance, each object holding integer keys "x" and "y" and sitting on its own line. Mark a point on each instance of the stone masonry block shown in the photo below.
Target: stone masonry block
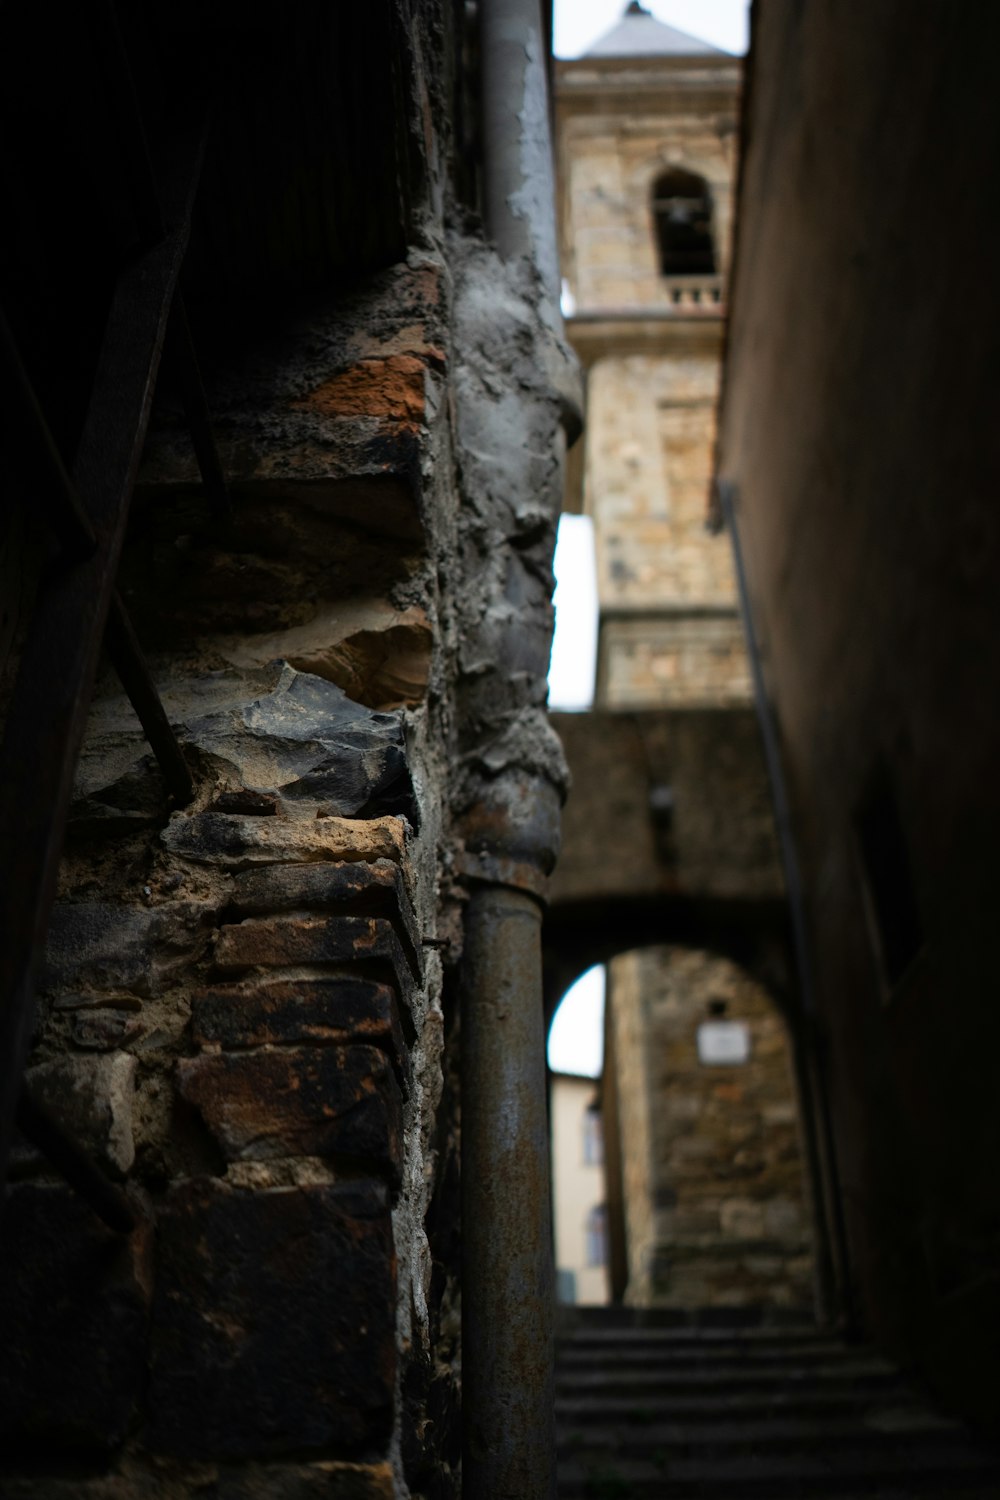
{"x": 284, "y": 1011}
{"x": 73, "y": 1315}
{"x": 329, "y": 1101}
{"x": 92, "y": 1097}
{"x": 323, "y": 1480}
{"x": 294, "y": 732}
{"x": 329, "y": 1480}
{"x": 275, "y": 942}
{"x": 97, "y": 944}
{"x": 361, "y": 889}
{"x": 275, "y": 1317}
{"x": 239, "y": 842}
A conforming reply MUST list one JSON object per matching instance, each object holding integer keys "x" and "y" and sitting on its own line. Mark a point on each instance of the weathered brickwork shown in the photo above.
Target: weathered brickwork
{"x": 716, "y": 1212}
{"x": 241, "y": 1012}
{"x": 248, "y": 1075}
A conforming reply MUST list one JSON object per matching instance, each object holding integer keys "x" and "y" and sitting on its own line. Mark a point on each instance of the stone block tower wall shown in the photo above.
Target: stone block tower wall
{"x": 713, "y": 1204}
{"x": 714, "y": 1201}
{"x": 651, "y": 344}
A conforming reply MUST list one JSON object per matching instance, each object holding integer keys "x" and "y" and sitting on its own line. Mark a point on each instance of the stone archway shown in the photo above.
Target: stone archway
{"x": 668, "y": 844}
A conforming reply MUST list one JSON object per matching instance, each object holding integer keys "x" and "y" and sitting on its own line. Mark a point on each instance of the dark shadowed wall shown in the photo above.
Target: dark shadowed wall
{"x": 859, "y": 434}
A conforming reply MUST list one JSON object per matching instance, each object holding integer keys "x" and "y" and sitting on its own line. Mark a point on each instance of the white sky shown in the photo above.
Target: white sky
{"x": 724, "y": 23}
{"x": 574, "y": 646}
{"x": 576, "y": 1040}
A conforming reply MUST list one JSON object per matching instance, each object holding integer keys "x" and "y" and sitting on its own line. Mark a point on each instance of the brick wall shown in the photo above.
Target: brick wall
{"x": 245, "y": 1013}
{"x": 240, "y": 1018}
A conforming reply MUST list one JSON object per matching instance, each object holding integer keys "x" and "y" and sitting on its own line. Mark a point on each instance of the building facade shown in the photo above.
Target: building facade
{"x": 708, "y": 1199}
{"x": 579, "y": 1213}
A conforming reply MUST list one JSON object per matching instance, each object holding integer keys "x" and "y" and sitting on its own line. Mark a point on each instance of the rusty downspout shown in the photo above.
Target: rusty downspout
{"x": 507, "y": 1280}
{"x": 514, "y": 775}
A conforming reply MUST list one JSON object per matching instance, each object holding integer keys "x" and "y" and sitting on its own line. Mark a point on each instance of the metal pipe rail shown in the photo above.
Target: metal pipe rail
{"x": 833, "y": 1261}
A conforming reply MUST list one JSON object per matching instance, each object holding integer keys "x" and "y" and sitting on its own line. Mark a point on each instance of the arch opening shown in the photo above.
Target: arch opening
{"x": 702, "y": 1196}
{"x": 580, "y": 1214}
{"x": 682, "y": 219}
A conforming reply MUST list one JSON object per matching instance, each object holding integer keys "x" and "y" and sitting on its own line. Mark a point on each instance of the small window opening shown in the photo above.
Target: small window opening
{"x": 593, "y": 1138}
{"x": 889, "y": 875}
{"x": 597, "y": 1236}
{"x": 682, "y": 214}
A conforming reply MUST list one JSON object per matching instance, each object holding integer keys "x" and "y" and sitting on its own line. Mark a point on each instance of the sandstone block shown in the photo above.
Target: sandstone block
{"x": 73, "y": 1314}
{"x": 378, "y": 654}
{"x": 92, "y": 1098}
{"x": 330, "y": 1101}
{"x": 240, "y": 842}
{"x": 275, "y": 1314}
{"x": 284, "y": 1011}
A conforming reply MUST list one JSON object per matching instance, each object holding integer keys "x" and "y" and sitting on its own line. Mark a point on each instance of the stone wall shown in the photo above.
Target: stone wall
{"x": 669, "y": 628}
{"x": 863, "y": 467}
{"x": 668, "y": 802}
{"x": 715, "y": 1205}
{"x": 241, "y": 1014}
{"x": 247, "y": 1011}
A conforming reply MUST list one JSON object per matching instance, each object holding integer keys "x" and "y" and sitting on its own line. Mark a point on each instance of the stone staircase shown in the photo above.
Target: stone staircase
{"x": 650, "y": 1405}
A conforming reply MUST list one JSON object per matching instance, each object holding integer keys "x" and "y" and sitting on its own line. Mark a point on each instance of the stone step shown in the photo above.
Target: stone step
{"x": 845, "y": 1470}
{"x": 601, "y": 1487}
{"x": 608, "y": 1336}
{"x": 845, "y": 1401}
{"x": 649, "y": 1351}
{"x": 748, "y": 1320}
{"x": 718, "y": 1412}
{"x": 717, "y": 1433}
{"x": 871, "y": 1374}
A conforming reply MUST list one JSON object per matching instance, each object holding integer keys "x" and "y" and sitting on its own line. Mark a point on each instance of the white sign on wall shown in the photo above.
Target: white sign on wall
{"x": 723, "y": 1042}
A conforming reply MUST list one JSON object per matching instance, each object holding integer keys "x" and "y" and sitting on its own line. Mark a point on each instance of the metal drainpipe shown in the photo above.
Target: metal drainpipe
{"x": 508, "y": 1292}
{"x": 507, "y": 1270}
{"x": 511, "y": 837}
{"x": 518, "y": 175}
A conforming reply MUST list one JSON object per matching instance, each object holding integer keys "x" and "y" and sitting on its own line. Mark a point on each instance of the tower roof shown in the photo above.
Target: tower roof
{"x": 640, "y": 34}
